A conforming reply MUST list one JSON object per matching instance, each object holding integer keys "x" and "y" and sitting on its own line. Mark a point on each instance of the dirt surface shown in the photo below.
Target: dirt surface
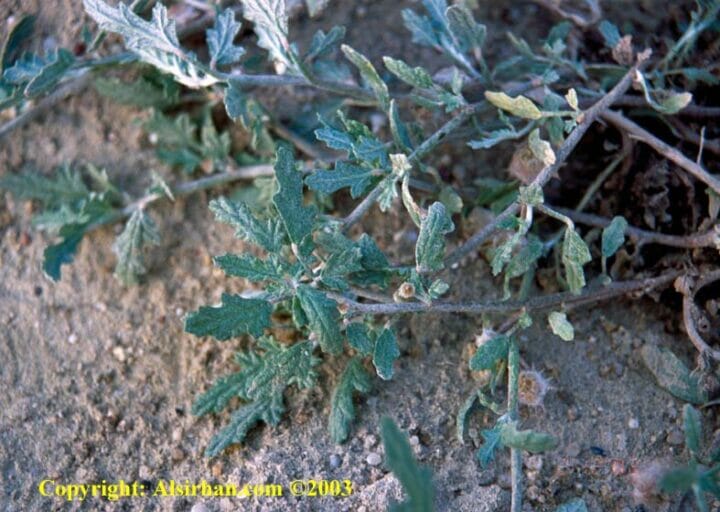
{"x": 99, "y": 378}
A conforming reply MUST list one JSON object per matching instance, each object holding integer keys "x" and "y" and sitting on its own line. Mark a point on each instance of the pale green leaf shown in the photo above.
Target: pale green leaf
{"x": 610, "y": 33}
{"x": 561, "y": 326}
{"x": 541, "y": 149}
{"x": 235, "y": 316}
{"x": 248, "y": 266}
{"x": 693, "y": 429}
{"x": 430, "y": 246}
{"x": 575, "y": 254}
{"x": 322, "y": 43}
{"x": 613, "y": 236}
{"x": 271, "y": 26}
{"x": 519, "y": 106}
{"x": 468, "y": 34}
{"x": 491, "y": 443}
{"x": 140, "y": 231}
{"x": 417, "y": 77}
{"x": 369, "y": 74}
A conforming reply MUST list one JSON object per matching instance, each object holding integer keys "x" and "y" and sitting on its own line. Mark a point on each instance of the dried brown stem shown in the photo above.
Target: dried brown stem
{"x": 688, "y": 289}
{"x": 587, "y": 118}
{"x": 669, "y": 152}
{"x": 710, "y": 238}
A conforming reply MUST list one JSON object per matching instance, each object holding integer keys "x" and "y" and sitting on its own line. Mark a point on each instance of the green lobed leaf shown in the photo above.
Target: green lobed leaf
{"x": 241, "y": 421}
{"x": 369, "y": 74}
{"x": 672, "y": 374}
{"x": 519, "y": 106}
{"x": 416, "y": 480}
{"x": 613, "y": 236}
{"x": 528, "y": 440}
{"x": 561, "y": 326}
{"x": 271, "y": 26}
{"x": 155, "y": 41}
{"x": 342, "y": 410}
{"x": 322, "y": 43}
{"x": 491, "y": 442}
{"x": 692, "y": 425}
{"x": 220, "y": 40}
{"x": 421, "y": 28}
{"x": 140, "y": 231}
{"x": 63, "y": 252}
{"x": 267, "y": 234}
{"x": 18, "y": 34}
{"x": 468, "y": 34}
{"x": 430, "y": 246}
{"x": 385, "y": 353}
{"x": 417, "y": 77}
{"x": 66, "y": 186}
{"x": 575, "y": 254}
{"x": 356, "y": 178}
{"x": 248, "y": 266}
{"x": 298, "y": 219}
{"x": 323, "y": 317}
{"x": 235, "y": 316}
{"x": 490, "y": 353}
{"x": 50, "y": 74}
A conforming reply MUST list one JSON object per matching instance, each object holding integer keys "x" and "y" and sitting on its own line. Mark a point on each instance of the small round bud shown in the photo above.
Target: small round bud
{"x": 406, "y": 291}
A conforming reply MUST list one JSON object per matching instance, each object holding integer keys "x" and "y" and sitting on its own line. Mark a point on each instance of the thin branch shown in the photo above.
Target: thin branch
{"x": 516, "y": 471}
{"x": 70, "y": 88}
{"x": 586, "y": 119}
{"x": 710, "y": 238}
{"x": 684, "y": 285}
{"x": 691, "y": 110}
{"x": 582, "y": 21}
{"x": 249, "y": 172}
{"x": 588, "y": 295}
{"x": 672, "y": 154}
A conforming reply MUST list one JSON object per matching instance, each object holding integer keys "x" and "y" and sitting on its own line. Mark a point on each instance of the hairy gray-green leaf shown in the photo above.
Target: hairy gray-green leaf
{"x": 491, "y": 443}
{"x": 322, "y": 43}
{"x": 416, "y": 480}
{"x": 154, "y": 41}
{"x": 610, "y": 33}
{"x": 575, "y": 254}
{"x": 468, "y": 34}
{"x": 271, "y": 26}
{"x": 342, "y": 410}
{"x": 66, "y": 186}
{"x": 417, "y": 77}
{"x": 359, "y": 337}
{"x": 248, "y": 266}
{"x": 297, "y": 218}
{"x": 369, "y": 74}
{"x": 561, "y": 326}
{"x": 430, "y": 247}
{"x": 672, "y": 375}
{"x": 613, "y": 236}
{"x": 668, "y": 102}
{"x": 356, "y": 178}
{"x": 489, "y": 353}
{"x": 235, "y": 316}
{"x": 49, "y": 75}
{"x": 519, "y": 106}
{"x": 140, "y": 231}
{"x": 385, "y": 353}
{"x": 267, "y": 234}
{"x": 323, "y": 316}
{"x": 220, "y": 40}
{"x": 528, "y": 440}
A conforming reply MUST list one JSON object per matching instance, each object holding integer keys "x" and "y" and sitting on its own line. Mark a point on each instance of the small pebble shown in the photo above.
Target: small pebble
{"x": 119, "y": 353}
{"x": 72, "y": 339}
{"x": 414, "y": 440}
{"x": 534, "y": 462}
{"x": 335, "y": 460}
{"x": 618, "y": 467}
{"x": 572, "y": 414}
{"x": 199, "y": 507}
{"x": 572, "y": 450}
{"x": 369, "y": 441}
{"x": 675, "y": 437}
{"x": 633, "y": 423}
{"x": 177, "y": 454}
{"x": 374, "y": 459}
{"x": 217, "y": 470}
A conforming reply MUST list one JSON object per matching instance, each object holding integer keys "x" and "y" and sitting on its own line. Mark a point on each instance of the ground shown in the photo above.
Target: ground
{"x": 99, "y": 378}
